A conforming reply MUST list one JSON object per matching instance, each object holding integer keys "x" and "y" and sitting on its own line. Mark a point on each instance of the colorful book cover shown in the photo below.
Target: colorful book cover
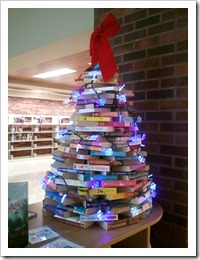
{"x": 17, "y": 214}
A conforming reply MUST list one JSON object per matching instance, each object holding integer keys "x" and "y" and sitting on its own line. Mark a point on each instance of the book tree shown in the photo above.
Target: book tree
{"x": 100, "y": 175}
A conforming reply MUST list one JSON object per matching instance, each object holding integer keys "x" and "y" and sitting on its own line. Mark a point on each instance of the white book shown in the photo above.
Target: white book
{"x": 100, "y": 90}
{"x": 88, "y": 167}
{"x": 91, "y": 110}
{"x": 94, "y": 129}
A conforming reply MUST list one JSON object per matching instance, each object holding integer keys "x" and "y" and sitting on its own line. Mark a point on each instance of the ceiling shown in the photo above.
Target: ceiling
{"x": 71, "y": 51}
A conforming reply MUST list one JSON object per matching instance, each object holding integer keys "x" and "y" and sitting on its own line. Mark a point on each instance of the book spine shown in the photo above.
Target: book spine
{"x": 82, "y": 118}
{"x": 116, "y": 225}
{"x": 121, "y": 195}
{"x": 69, "y": 182}
{"x": 82, "y": 146}
{"x": 49, "y": 207}
{"x": 63, "y": 149}
{"x": 91, "y": 73}
{"x": 119, "y": 134}
{"x": 116, "y": 124}
{"x": 97, "y": 191}
{"x": 100, "y": 90}
{"x": 81, "y": 102}
{"x": 122, "y": 209}
{"x": 91, "y": 110}
{"x": 91, "y": 167}
{"x": 65, "y": 221}
{"x": 139, "y": 185}
{"x": 87, "y": 137}
{"x": 109, "y": 114}
{"x": 88, "y": 177}
{"x": 118, "y": 183}
{"x": 140, "y": 199}
{"x": 104, "y": 162}
{"x": 93, "y": 217}
{"x": 51, "y": 184}
{"x": 129, "y": 168}
{"x": 71, "y": 170}
{"x": 115, "y": 153}
{"x": 92, "y": 143}
{"x": 94, "y": 129}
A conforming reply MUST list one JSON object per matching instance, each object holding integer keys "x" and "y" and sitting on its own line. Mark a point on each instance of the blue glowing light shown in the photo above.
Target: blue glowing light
{"x": 121, "y": 98}
{"x": 143, "y": 136}
{"x": 101, "y": 102}
{"x": 153, "y": 189}
{"x": 108, "y": 151}
{"x": 139, "y": 119}
{"x": 95, "y": 184}
{"x": 63, "y": 198}
{"x": 99, "y": 214}
{"x": 120, "y": 88}
{"x": 76, "y": 94}
{"x": 134, "y": 211}
{"x": 141, "y": 158}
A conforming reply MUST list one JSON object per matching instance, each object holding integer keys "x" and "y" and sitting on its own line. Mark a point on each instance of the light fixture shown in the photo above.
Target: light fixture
{"x": 54, "y": 73}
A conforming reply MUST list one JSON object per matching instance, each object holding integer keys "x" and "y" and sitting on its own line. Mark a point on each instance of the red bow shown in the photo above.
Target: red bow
{"x": 100, "y": 50}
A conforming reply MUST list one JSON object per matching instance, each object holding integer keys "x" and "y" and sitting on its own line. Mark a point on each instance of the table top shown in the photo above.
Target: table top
{"x": 94, "y": 236}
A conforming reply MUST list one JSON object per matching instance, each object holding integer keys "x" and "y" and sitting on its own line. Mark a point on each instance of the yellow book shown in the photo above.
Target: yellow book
{"x": 97, "y": 191}
{"x": 90, "y": 118}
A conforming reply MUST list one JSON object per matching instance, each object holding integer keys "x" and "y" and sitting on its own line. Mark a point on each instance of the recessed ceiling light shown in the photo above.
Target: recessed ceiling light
{"x": 54, "y": 73}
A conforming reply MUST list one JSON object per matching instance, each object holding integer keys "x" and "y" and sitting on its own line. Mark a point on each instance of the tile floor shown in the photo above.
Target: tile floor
{"x": 31, "y": 170}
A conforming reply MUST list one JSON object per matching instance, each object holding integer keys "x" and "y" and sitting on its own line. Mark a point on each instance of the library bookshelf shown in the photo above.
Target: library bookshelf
{"x": 33, "y": 135}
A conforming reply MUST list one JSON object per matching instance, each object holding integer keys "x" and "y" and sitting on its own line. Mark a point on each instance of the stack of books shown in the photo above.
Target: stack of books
{"x": 100, "y": 174}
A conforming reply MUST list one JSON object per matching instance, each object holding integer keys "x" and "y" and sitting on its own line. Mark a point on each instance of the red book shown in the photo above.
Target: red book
{"x": 118, "y": 183}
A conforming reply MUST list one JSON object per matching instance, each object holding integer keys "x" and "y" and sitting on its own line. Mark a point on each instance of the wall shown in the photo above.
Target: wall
{"x": 31, "y": 106}
{"x": 31, "y": 28}
{"x": 151, "y": 51}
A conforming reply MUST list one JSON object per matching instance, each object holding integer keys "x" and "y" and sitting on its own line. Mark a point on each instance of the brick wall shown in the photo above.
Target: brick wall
{"x": 151, "y": 51}
{"x": 31, "y": 106}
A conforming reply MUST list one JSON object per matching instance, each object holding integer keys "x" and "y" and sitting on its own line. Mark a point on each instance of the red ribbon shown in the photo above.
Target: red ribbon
{"x": 100, "y": 50}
